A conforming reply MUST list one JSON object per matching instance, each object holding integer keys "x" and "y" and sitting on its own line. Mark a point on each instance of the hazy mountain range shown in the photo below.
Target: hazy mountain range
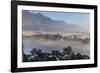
{"x": 40, "y": 22}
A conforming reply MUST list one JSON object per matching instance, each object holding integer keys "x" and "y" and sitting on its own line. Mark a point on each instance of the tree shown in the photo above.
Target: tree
{"x": 56, "y": 54}
{"x": 67, "y": 51}
{"x": 25, "y": 58}
{"x": 73, "y": 56}
{"x": 39, "y": 55}
{"x": 85, "y": 57}
{"x": 36, "y": 52}
{"x": 78, "y": 56}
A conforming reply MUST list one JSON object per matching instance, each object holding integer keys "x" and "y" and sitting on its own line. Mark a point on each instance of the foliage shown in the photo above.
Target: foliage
{"x": 54, "y": 55}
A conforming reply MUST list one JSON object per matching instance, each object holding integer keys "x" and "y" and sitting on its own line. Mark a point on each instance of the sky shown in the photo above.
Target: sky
{"x": 82, "y": 19}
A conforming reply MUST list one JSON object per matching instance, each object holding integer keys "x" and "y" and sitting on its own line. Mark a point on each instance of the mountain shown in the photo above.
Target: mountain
{"x": 40, "y": 22}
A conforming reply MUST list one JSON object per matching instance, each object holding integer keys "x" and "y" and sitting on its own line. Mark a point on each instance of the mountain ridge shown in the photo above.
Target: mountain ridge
{"x": 40, "y": 22}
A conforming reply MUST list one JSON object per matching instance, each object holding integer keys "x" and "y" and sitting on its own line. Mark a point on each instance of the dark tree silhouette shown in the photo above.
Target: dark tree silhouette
{"x": 67, "y": 50}
{"x": 66, "y": 54}
{"x": 78, "y": 56}
{"x": 25, "y": 58}
{"x": 85, "y": 57}
{"x": 55, "y": 53}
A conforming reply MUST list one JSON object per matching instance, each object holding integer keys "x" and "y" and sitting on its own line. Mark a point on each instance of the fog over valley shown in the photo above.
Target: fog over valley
{"x": 44, "y": 31}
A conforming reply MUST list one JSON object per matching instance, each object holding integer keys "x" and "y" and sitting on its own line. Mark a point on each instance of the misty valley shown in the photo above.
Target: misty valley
{"x": 46, "y": 46}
